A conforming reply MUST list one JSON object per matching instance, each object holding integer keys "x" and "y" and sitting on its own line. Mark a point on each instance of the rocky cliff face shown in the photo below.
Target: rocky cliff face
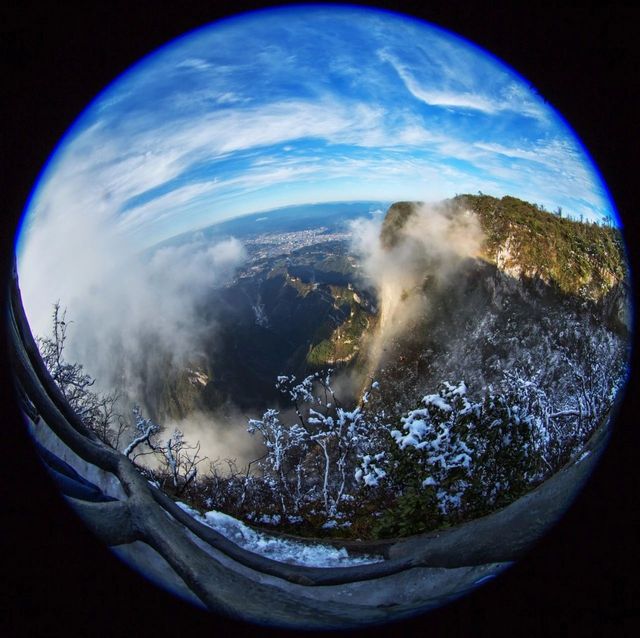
{"x": 579, "y": 261}
{"x": 399, "y": 216}
{"x": 540, "y": 290}
{"x": 183, "y": 393}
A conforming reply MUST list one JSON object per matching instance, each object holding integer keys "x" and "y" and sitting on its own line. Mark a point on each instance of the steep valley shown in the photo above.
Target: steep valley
{"x": 536, "y": 288}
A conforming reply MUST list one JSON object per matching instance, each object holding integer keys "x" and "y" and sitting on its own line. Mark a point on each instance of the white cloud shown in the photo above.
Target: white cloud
{"x": 432, "y": 241}
{"x": 230, "y": 98}
{"x": 106, "y": 168}
{"x": 440, "y": 96}
{"x": 145, "y": 155}
{"x": 194, "y": 63}
{"x": 515, "y": 152}
{"x": 171, "y": 203}
{"x": 555, "y": 169}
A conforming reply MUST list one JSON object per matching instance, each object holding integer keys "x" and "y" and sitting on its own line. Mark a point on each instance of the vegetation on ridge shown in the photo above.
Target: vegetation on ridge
{"x": 582, "y": 259}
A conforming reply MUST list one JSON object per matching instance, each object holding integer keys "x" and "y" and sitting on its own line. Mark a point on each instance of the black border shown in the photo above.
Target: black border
{"x": 580, "y": 580}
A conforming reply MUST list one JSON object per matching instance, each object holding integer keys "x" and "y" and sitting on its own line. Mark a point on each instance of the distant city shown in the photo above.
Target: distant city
{"x": 269, "y": 245}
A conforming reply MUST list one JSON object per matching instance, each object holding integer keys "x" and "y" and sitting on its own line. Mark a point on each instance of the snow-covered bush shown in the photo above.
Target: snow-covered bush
{"x": 316, "y": 456}
{"x": 441, "y": 438}
{"x": 173, "y": 462}
{"x": 283, "y": 465}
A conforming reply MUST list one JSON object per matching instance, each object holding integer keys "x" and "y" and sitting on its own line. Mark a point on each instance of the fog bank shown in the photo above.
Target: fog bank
{"x": 134, "y": 314}
{"x": 426, "y": 252}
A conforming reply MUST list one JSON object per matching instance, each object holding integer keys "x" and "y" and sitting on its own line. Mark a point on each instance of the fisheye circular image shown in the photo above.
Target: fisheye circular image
{"x": 320, "y": 317}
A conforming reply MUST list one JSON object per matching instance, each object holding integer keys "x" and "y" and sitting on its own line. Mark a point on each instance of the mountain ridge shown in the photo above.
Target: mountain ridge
{"x": 507, "y": 277}
{"x": 521, "y": 238}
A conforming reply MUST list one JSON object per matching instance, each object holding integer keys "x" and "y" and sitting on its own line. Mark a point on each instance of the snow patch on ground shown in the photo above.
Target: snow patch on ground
{"x": 583, "y": 456}
{"x": 282, "y": 550}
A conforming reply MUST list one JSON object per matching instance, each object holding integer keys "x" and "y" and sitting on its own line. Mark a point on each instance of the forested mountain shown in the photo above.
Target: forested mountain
{"x": 580, "y": 259}
{"x": 313, "y": 308}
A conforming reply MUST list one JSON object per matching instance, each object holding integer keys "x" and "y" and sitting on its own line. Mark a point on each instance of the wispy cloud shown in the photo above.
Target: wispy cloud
{"x": 457, "y": 88}
{"x": 194, "y": 63}
{"x": 439, "y": 96}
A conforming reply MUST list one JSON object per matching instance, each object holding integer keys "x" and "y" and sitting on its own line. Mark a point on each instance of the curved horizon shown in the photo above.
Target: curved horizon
{"x": 288, "y": 106}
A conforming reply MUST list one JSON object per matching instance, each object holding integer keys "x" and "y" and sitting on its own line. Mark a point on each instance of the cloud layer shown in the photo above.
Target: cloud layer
{"x": 342, "y": 100}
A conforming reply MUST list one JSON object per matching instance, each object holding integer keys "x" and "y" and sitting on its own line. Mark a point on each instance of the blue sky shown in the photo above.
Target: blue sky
{"x": 308, "y": 105}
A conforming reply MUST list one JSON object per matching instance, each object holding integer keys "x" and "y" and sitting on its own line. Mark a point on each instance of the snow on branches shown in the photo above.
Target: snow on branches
{"x": 97, "y": 410}
{"x": 176, "y": 460}
{"x": 145, "y": 430}
{"x": 316, "y": 455}
{"x": 471, "y": 454}
{"x": 441, "y": 433}
{"x": 452, "y": 455}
